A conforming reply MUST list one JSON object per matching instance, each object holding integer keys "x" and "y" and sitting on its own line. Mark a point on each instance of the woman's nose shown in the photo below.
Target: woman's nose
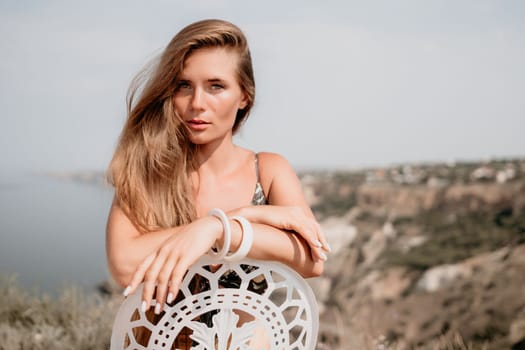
{"x": 197, "y": 100}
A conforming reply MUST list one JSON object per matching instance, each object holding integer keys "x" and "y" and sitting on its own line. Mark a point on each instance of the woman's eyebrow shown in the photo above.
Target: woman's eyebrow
{"x": 209, "y": 80}
{"x": 216, "y": 80}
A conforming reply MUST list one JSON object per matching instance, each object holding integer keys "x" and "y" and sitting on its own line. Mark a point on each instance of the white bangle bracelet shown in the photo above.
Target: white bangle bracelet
{"x": 246, "y": 242}
{"x": 227, "y": 233}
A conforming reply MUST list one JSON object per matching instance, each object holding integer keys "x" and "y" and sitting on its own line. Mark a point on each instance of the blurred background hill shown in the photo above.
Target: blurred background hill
{"x": 422, "y": 254}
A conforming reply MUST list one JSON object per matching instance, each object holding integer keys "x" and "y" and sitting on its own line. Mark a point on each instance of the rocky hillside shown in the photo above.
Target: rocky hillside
{"x": 423, "y": 256}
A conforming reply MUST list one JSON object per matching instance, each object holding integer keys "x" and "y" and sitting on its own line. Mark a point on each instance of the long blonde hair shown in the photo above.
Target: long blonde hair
{"x": 153, "y": 158}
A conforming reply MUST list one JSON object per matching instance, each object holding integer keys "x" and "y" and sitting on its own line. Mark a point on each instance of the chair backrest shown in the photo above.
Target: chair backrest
{"x": 284, "y": 308}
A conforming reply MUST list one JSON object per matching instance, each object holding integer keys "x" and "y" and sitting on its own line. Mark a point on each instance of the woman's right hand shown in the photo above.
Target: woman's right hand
{"x": 165, "y": 268}
{"x": 293, "y": 219}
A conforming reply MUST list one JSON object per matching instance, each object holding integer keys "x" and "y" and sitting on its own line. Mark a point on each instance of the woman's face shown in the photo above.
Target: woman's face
{"x": 208, "y": 95}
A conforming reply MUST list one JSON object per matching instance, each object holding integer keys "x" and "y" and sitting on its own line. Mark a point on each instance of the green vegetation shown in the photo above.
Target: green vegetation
{"x": 334, "y": 205}
{"x": 452, "y": 240}
{"x": 336, "y": 192}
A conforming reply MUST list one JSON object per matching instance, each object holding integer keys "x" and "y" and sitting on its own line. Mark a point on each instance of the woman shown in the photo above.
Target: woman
{"x": 176, "y": 160}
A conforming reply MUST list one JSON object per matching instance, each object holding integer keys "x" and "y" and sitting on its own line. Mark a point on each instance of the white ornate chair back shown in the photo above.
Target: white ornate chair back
{"x": 285, "y": 308}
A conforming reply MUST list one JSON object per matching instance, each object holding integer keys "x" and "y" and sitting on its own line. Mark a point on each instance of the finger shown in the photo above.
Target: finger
{"x": 150, "y": 279}
{"x": 311, "y": 238}
{"x": 138, "y": 276}
{"x": 173, "y": 290}
{"x": 318, "y": 254}
{"x": 318, "y": 239}
{"x": 322, "y": 238}
{"x": 313, "y": 235}
{"x": 322, "y": 254}
{"x": 176, "y": 278}
{"x": 306, "y": 229}
{"x": 318, "y": 247}
{"x": 163, "y": 280}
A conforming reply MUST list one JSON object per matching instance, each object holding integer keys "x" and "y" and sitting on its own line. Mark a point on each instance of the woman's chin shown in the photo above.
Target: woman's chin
{"x": 200, "y": 140}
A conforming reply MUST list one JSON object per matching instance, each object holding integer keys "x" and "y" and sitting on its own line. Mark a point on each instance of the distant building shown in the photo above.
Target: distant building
{"x": 483, "y": 173}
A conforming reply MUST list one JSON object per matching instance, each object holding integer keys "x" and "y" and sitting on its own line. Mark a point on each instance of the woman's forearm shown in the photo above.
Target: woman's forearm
{"x": 273, "y": 242}
{"x": 125, "y": 255}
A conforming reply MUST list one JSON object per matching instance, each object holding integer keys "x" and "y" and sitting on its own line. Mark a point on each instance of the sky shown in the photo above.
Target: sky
{"x": 340, "y": 84}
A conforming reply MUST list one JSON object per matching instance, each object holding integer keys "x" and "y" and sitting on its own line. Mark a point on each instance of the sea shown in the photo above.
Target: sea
{"x": 52, "y": 232}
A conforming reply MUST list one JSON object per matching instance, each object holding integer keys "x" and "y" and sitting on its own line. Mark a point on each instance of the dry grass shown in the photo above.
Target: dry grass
{"x": 364, "y": 341}
{"x": 74, "y": 320}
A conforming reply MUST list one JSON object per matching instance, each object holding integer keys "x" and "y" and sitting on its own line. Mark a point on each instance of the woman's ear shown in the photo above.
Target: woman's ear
{"x": 244, "y": 101}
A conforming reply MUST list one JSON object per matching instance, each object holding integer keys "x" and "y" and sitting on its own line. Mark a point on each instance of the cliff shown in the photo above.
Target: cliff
{"x": 422, "y": 257}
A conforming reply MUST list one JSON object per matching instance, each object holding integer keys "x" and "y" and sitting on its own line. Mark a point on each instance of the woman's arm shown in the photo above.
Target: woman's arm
{"x": 288, "y": 211}
{"x": 127, "y": 248}
{"x": 292, "y": 220}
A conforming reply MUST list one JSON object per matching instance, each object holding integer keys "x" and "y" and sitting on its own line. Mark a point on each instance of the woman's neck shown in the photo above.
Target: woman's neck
{"x": 216, "y": 157}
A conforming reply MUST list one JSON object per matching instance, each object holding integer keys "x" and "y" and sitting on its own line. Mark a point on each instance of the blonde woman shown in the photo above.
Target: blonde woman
{"x": 176, "y": 160}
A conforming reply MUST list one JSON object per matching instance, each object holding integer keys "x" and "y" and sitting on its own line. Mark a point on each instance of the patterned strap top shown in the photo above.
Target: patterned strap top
{"x": 231, "y": 279}
{"x": 258, "y": 197}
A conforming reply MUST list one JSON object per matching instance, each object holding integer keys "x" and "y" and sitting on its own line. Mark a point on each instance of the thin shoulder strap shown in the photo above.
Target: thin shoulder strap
{"x": 257, "y": 167}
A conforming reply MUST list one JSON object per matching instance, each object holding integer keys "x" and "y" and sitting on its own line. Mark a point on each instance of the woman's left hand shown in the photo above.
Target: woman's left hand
{"x": 165, "y": 268}
{"x": 291, "y": 218}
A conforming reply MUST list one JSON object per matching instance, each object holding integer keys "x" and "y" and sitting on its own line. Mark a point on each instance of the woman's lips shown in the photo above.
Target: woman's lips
{"x": 197, "y": 124}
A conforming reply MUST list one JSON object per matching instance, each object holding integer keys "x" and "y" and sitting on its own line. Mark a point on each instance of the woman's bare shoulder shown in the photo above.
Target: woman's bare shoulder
{"x": 278, "y": 177}
{"x": 272, "y": 165}
{"x": 273, "y": 159}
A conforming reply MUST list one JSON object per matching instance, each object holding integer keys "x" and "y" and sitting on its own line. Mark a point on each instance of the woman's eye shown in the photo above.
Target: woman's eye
{"x": 182, "y": 85}
{"x": 217, "y": 87}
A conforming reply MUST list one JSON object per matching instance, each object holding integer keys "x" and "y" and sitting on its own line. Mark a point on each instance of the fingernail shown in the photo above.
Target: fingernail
{"x": 328, "y": 248}
{"x": 157, "y": 309}
{"x": 170, "y": 297}
{"x": 126, "y": 291}
{"x": 318, "y": 244}
{"x": 143, "y": 306}
{"x": 323, "y": 256}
